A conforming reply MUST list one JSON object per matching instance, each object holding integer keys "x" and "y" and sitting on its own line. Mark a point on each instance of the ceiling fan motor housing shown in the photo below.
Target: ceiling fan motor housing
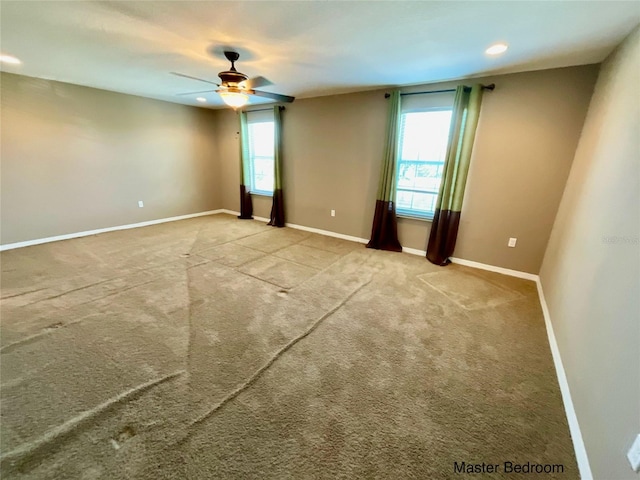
{"x": 233, "y": 89}
{"x": 232, "y": 78}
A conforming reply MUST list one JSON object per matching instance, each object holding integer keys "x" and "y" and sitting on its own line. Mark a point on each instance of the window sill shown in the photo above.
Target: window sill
{"x": 262, "y": 194}
{"x": 414, "y": 217}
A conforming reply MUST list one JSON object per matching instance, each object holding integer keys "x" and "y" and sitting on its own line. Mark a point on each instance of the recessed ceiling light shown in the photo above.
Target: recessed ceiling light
{"x": 201, "y": 99}
{"x": 9, "y": 59}
{"x": 496, "y": 49}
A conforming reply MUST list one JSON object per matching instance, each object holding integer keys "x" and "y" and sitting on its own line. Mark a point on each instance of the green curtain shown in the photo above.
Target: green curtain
{"x": 246, "y": 205}
{"x": 444, "y": 229}
{"x": 277, "y": 208}
{"x": 384, "y": 232}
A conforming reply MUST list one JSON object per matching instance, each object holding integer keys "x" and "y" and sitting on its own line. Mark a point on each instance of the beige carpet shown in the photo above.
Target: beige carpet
{"x": 221, "y": 348}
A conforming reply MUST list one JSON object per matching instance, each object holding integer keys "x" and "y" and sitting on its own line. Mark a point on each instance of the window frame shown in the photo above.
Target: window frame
{"x": 252, "y": 188}
{"x": 412, "y": 214}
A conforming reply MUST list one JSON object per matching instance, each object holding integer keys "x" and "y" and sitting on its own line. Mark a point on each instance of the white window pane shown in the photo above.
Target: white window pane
{"x": 407, "y": 175}
{"x": 425, "y": 135}
{"x": 261, "y": 152}
{"x": 403, "y": 200}
{"x": 424, "y": 202}
{"x": 263, "y": 178}
{"x": 262, "y": 138}
{"x": 422, "y": 148}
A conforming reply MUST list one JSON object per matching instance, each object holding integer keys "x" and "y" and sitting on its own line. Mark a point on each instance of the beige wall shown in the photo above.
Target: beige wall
{"x": 528, "y": 131}
{"x": 331, "y": 148}
{"x": 77, "y": 159}
{"x": 591, "y": 270}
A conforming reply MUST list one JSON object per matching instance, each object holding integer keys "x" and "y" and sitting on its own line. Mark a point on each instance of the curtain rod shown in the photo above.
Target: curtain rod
{"x": 265, "y": 109}
{"x": 491, "y": 86}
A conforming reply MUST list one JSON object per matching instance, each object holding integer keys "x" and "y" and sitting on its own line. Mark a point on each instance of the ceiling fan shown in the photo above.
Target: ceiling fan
{"x": 235, "y": 87}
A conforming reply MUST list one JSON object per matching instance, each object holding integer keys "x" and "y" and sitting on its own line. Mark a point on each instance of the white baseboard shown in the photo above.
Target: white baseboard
{"x": 231, "y": 212}
{"x": 319, "y": 231}
{"x": 228, "y": 212}
{"x": 237, "y": 214}
{"x": 38, "y": 241}
{"x": 414, "y": 251}
{"x": 411, "y": 251}
{"x": 572, "y": 418}
{"x": 482, "y": 266}
{"x": 492, "y": 268}
{"x": 328, "y": 233}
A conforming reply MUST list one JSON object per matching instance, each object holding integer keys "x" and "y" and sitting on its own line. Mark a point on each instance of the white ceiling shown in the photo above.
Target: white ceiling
{"x": 305, "y": 48}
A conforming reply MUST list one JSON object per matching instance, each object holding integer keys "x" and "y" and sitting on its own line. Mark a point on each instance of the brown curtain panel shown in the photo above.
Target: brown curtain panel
{"x": 277, "y": 208}
{"x": 384, "y": 232}
{"x": 444, "y": 229}
{"x": 246, "y": 205}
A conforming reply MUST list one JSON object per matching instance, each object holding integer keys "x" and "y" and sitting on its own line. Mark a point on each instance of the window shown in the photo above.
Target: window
{"x": 261, "y": 152}
{"x": 423, "y": 145}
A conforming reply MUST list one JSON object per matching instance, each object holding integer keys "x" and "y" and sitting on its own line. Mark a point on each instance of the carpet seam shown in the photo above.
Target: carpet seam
{"x": 278, "y": 249}
{"x": 25, "y": 452}
{"x": 317, "y": 270}
{"x": 521, "y": 296}
{"x": 32, "y": 338}
{"x": 81, "y": 239}
{"x": 43, "y": 332}
{"x": 258, "y": 373}
{"x": 329, "y": 266}
{"x": 121, "y": 277}
{"x": 23, "y": 293}
{"x": 197, "y": 252}
{"x": 191, "y": 337}
{"x": 260, "y": 279}
{"x": 309, "y": 266}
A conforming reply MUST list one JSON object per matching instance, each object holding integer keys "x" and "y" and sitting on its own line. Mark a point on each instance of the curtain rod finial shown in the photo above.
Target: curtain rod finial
{"x": 387, "y": 95}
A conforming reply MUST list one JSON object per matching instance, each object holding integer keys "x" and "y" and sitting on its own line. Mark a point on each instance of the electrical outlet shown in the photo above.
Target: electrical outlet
{"x": 634, "y": 454}
{"x": 333, "y": 213}
{"x": 512, "y": 242}
{"x": 140, "y": 203}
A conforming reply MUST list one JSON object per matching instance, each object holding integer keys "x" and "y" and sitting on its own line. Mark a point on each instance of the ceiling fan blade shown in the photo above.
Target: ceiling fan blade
{"x": 274, "y": 96}
{"x": 194, "y": 78}
{"x": 257, "y": 82}
{"x": 195, "y": 93}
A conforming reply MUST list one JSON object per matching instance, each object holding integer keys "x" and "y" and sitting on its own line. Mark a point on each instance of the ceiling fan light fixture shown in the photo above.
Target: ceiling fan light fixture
{"x": 235, "y": 87}
{"x": 234, "y": 97}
